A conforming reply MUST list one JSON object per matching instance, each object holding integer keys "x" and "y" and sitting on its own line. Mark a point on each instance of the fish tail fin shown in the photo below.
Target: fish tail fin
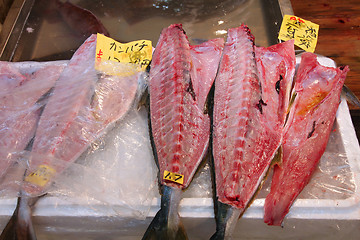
{"x": 167, "y": 223}
{"x": 20, "y": 225}
{"x": 226, "y": 220}
{"x": 160, "y": 229}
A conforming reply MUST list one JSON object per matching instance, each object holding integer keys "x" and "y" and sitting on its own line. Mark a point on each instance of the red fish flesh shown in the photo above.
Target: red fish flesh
{"x": 317, "y": 96}
{"x": 250, "y": 103}
{"x": 178, "y": 91}
{"x": 82, "y": 105}
{"x": 19, "y": 108}
{"x": 180, "y": 79}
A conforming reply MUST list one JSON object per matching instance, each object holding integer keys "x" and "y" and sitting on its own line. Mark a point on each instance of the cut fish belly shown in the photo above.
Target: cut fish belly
{"x": 180, "y": 79}
{"x": 83, "y": 104}
{"x": 317, "y": 90}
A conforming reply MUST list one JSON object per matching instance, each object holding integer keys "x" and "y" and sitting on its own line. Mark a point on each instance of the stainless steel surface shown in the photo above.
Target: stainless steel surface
{"x": 13, "y": 27}
{"x": 36, "y": 32}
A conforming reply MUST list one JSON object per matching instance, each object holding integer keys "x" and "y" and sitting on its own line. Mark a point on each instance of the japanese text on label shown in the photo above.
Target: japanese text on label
{"x": 138, "y": 52}
{"x": 304, "y": 33}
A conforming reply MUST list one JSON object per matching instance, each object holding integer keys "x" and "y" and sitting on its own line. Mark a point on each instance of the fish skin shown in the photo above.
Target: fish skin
{"x": 250, "y": 104}
{"x": 180, "y": 78}
{"x": 306, "y": 135}
{"x": 166, "y": 223}
{"x": 20, "y": 226}
{"x": 81, "y": 20}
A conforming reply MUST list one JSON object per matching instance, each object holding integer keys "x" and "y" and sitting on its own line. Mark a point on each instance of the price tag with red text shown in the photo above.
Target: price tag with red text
{"x": 304, "y": 33}
{"x": 137, "y": 52}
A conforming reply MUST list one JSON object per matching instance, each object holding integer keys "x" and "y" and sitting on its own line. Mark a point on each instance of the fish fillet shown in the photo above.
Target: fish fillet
{"x": 179, "y": 83}
{"x": 83, "y": 104}
{"x": 250, "y": 103}
{"x": 307, "y": 131}
{"x": 20, "y": 111}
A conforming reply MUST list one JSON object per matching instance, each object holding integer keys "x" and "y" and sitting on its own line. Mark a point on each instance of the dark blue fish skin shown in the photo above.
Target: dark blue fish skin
{"x": 166, "y": 223}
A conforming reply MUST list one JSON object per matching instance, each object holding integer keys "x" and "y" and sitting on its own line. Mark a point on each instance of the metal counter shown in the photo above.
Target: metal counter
{"x": 33, "y": 30}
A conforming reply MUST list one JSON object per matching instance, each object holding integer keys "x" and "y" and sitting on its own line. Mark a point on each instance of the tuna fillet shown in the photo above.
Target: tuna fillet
{"x": 180, "y": 79}
{"x": 317, "y": 94}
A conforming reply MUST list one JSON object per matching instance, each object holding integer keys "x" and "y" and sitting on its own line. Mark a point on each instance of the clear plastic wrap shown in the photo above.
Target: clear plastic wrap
{"x": 83, "y": 105}
{"x": 25, "y": 89}
{"x": 118, "y": 170}
{"x": 112, "y": 186}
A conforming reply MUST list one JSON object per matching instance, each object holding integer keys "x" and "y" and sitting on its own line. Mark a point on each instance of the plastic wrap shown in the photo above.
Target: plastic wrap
{"x": 116, "y": 176}
{"x": 25, "y": 89}
{"x": 84, "y": 103}
{"x": 118, "y": 170}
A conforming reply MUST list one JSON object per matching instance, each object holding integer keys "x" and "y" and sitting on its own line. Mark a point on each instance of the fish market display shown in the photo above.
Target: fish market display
{"x": 250, "y": 103}
{"x": 180, "y": 79}
{"x": 22, "y": 89}
{"x": 84, "y": 102}
{"x": 317, "y": 96}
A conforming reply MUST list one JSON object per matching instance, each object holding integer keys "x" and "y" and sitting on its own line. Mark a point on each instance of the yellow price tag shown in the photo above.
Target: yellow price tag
{"x": 41, "y": 176}
{"x": 304, "y": 33}
{"x": 174, "y": 177}
{"x": 138, "y": 52}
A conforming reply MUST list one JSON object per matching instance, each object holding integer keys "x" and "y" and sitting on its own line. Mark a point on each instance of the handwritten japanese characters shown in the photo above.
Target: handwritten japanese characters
{"x": 137, "y": 52}
{"x": 305, "y": 33}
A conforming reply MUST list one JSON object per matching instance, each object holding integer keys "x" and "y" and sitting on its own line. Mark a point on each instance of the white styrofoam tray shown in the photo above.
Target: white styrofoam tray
{"x": 314, "y": 218}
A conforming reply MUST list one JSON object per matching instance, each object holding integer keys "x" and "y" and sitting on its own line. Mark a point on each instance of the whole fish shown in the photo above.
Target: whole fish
{"x": 316, "y": 99}
{"x": 250, "y": 102}
{"x": 180, "y": 79}
{"x": 84, "y": 102}
{"x": 21, "y": 106}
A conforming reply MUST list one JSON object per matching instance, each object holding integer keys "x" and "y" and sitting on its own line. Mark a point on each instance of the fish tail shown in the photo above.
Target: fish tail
{"x": 226, "y": 219}
{"x": 20, "y": 226}
{"x": 167, "y": 223}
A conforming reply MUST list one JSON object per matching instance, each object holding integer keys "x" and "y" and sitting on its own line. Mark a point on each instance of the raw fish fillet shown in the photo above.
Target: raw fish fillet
{"x": 10, "y": 77}
{"x": 237, "y": 119}
{"x": 83, "y": 104}
{"x": 317, "y": 96}
{"x": 250, "y": 103}
{"x": 20, "y": 110}
{"x": 276, "y": 68}
{"x": 180, "y": 78}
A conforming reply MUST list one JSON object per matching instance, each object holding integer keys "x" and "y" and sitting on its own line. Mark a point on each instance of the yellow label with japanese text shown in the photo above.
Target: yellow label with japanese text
{"x": 41, "y": 176}
{"x": 174, "y": 177}
{"x": 138, "y": 52}
{"x": 304, "y": 33}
